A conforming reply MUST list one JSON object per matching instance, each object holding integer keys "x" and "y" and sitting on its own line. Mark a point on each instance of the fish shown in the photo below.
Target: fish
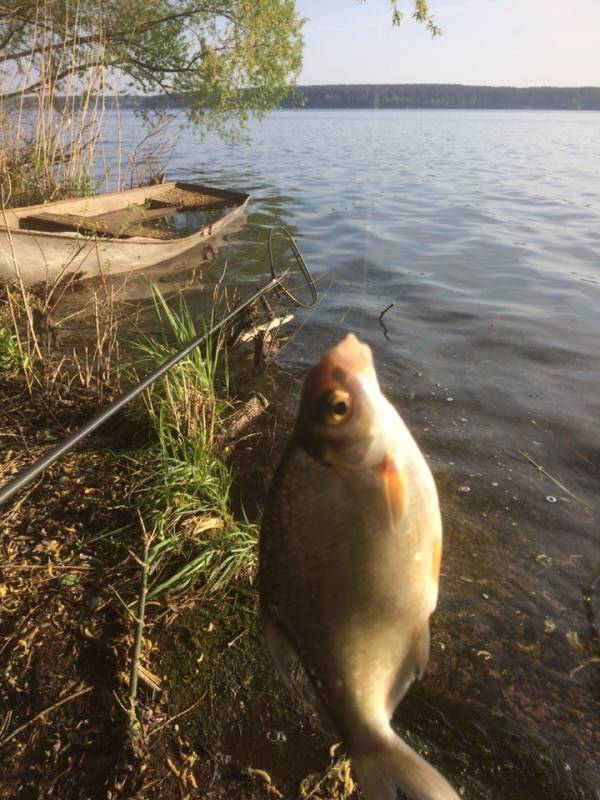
{"x": 349, "y": 563}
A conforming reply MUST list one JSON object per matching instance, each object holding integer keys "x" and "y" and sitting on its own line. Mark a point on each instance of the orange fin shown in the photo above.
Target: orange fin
{"x": 394, "y": 487}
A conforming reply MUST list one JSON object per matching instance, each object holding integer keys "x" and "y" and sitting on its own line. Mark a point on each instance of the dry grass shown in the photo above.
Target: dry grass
{"x": 49, "y": 142}
{"x": 49, "y": 136}
{"x": 32, "y": 323}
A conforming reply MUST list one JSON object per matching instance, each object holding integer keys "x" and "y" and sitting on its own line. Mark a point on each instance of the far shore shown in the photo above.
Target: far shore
{"x": 398, "y": 96}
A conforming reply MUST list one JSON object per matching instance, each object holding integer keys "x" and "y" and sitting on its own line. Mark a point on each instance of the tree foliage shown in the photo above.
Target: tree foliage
{"x": 420, "y": 13}
{"x": 227, "y": 55}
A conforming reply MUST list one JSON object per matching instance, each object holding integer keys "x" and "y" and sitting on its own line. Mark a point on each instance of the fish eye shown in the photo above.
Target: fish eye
{"x": 337, "y": 406}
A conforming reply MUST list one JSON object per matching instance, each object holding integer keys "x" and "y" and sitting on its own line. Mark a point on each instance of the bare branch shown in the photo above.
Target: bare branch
{"x": 80, "y": 69}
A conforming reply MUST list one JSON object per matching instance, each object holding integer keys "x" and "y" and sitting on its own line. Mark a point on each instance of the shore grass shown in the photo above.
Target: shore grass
{"x": 182, "y": 492}
{"x": 160, "y": 470}
{"x": 10, "y": 360}
{"x": 181, "y": 484}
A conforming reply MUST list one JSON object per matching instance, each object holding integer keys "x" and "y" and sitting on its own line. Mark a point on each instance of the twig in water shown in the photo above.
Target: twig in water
{"x": 382, "y": 323}
{"x": 53, "y": 707}
{"x": 593, "y": 579}
{"x": 342, "y": 319}
{"x": 552, "y": 478}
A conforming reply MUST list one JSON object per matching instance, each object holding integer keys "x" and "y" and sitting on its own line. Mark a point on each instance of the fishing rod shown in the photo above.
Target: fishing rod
{"x": 35, "y": 469}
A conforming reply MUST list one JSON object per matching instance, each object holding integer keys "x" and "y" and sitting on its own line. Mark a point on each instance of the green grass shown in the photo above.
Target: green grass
{"x": 25, "y": 180}
{"x": 183, "y": 492}
{"x": 10, "y": 357}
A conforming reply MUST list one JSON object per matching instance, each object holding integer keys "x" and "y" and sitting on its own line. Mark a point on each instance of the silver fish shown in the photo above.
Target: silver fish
{"x": 350, "y": 555}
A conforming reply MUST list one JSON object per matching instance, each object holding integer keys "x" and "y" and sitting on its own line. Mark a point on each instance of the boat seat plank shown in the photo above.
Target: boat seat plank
{"x": 188, "y": 196}
{"x": 156, "y": 203}
{"x": 125, "y": 218}
{"x": 128, "y": 221}
{"x": 119, "y": 226}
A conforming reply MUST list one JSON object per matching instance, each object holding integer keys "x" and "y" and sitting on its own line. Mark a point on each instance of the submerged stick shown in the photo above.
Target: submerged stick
{"x": 593, "y": 579}
{"x": 551, "y": 477}
{"x": 382, "y": 323}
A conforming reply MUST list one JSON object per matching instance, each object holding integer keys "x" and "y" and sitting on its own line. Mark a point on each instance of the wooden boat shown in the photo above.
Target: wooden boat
{"x": 112, "y": 233}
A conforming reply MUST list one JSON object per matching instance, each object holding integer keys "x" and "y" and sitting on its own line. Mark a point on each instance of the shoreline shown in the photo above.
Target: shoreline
{"x": 208, "y": 718}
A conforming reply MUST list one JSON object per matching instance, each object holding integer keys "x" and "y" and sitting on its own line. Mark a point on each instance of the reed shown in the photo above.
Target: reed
{"x": 59, "y": 351}
{"x": 51, "y": 123}
{"x": 50, "y": 128}
{"x": 182, "y": 492}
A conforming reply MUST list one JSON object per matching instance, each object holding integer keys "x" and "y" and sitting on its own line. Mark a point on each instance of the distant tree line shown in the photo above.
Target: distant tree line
{"x": 424, "y": 95}
{"x": 447, "y": 96}
{"x": 218, "y": 60}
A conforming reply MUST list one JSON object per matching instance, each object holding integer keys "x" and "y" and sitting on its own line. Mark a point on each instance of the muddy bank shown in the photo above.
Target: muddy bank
{"x": 218, "y": 722}
{"x": 63, "y": 639}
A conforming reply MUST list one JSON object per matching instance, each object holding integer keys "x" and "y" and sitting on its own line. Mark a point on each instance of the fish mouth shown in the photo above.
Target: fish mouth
{"x": 348, "y": 365}
{"x": 351, "y": 355}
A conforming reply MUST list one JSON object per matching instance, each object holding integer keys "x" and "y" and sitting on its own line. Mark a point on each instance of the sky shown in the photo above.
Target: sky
{"x": 494, "y": 42}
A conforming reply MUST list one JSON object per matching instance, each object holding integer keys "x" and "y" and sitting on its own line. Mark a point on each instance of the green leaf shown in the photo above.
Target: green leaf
{"x": 70, "y": 579}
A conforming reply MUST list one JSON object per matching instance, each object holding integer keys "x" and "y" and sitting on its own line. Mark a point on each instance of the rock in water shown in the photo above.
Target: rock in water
{"x": 349, "y": 565}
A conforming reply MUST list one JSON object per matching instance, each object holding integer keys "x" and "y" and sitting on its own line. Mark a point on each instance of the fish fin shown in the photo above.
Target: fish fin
{"x": 413, "y": 666}
{"x": 393, "y": 486}
{"x": 421, "y": 650}
{"x": 392, "y": 765}
{"x": 281, "y": 651}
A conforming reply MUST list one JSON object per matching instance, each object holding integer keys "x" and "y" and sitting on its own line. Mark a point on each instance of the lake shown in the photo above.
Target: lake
{"x": 483, "y": 229}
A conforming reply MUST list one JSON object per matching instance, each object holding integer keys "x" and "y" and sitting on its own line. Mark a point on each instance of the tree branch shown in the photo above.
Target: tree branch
{"x": 122, "y": 37}
{"x": 33, "y": 87}
{"x": 10, "y": 33}
{"x": 62, "y": 44}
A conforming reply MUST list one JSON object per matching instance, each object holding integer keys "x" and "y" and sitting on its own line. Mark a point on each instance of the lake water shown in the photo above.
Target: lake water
{"x": 483, "y": 229}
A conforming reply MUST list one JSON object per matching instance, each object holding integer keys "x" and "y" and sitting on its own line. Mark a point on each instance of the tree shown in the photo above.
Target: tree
{"x": 420, "y": 12}
{"x": 224, "y": 55}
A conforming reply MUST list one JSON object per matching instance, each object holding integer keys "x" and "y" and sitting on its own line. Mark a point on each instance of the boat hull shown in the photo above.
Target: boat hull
{"x": 44, "y": 256}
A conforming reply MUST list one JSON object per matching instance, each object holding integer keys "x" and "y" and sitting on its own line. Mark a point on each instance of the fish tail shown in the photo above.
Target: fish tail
{"x": 390, "y": 764}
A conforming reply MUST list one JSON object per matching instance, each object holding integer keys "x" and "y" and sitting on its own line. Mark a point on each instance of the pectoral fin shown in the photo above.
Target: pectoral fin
{"x": 393, "y": 487}
{"x": 413, "y": 666}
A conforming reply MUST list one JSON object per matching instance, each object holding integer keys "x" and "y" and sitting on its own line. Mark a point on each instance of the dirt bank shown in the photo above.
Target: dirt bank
{"x": 215, "y": 720}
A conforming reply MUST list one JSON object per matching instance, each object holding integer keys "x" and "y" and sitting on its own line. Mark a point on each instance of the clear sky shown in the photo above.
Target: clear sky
{"x": 497, "y": 42}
